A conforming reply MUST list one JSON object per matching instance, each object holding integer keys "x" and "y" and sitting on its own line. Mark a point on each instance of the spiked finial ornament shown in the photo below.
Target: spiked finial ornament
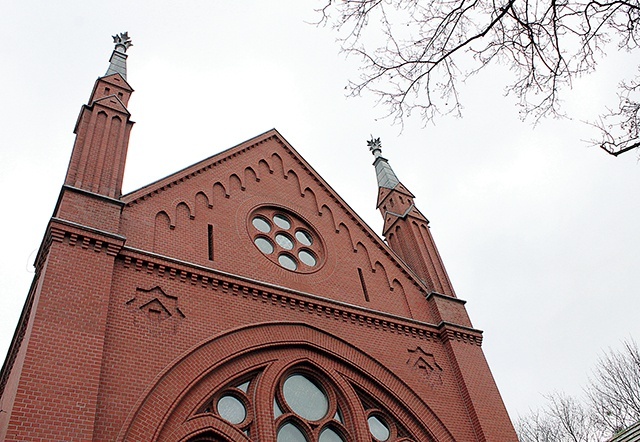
{"x": 375, "y": 146}
{"x": 122, "y": 41}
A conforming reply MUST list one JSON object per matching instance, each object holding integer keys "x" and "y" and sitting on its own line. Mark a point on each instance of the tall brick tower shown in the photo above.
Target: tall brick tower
{"x": 239, "y": 299}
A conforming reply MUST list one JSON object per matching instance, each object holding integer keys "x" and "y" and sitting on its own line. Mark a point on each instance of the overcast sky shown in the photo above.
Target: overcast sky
{"x": 538, "y": 231}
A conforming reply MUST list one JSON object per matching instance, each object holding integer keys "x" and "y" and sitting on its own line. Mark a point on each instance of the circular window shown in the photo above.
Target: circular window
{"x": 304, "y": 237}
{"x": 282, "y": 221}
{"x": 286, "y": 239}
{"x": 264, "y": 245}
{"x": 287, "y": 262}
{"x": 305, "y": 398}
{"x": 231, "y": 409}
{"x": 261, "y": 224}
{"x": 307, "y": 258}
{"x": 379, "y": 429}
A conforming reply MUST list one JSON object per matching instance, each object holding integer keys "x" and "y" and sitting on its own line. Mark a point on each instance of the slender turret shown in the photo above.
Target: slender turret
{"x": 405, "y": 228}
{"x": 103, "y": 129}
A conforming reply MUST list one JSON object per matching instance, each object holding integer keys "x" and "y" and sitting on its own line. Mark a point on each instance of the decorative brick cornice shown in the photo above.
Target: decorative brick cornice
{"x": 268, "y": 294}
{"x": 73, "y": 234}
{"x": 454, "y": 332}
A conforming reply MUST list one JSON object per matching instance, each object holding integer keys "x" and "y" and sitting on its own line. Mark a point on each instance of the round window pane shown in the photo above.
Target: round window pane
{"x": 231, "y": 409}
{"x": 287, "y": 262}
{"x": 261, "y": 224}
{"x": 284, "y": 241}
{"x": 290, "y": 433}
{"x": 282, "y": 222}
{"x": 307, "y": 258}
{"x": 378, "y": 428}
{"x": 305, "y": 398}
{"x": 264, "y": 245}
{"x": 328, "y": 435}
{"x": 304, "y": 237}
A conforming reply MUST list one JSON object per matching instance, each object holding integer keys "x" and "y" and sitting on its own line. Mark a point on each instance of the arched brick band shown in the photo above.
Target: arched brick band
{"x": 247, "y": 348}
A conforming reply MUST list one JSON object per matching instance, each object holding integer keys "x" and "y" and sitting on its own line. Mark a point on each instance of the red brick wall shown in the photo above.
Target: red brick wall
{"x": 126, "y": 341}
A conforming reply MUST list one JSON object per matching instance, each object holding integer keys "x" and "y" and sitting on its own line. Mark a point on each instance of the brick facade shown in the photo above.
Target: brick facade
{"x": 148, "y": 309}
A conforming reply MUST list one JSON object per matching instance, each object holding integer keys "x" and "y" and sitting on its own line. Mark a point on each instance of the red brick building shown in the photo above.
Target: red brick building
{"x": 239, "y": 299}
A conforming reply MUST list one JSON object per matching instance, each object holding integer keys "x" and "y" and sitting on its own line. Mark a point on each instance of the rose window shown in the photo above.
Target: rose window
{"x": 286, "y": 240}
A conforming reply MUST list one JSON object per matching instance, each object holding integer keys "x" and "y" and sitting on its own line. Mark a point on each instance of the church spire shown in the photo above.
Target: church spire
{"x": 405, "y": 228}
{"x": 102, "y": 130}
{"x": 118, "y": 61}
{"x": 384, "y": 173}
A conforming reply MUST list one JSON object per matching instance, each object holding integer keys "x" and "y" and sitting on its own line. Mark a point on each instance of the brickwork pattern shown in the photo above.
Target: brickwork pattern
{"x": 144, "y": 305}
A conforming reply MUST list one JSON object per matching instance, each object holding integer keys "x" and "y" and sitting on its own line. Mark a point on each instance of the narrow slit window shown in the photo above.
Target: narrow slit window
{"x": 210, "y": 241}
{"x": 364, "y": 286}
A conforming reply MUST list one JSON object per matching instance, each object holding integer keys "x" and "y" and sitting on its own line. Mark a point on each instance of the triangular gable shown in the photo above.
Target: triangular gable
{"x": 112, "y": 102}
{"x": 375, "y": 274}
{"x": 383, "y": 193}
{"x": 116, "y": 80}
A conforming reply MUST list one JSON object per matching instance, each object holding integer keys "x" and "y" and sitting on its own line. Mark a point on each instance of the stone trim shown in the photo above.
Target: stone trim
{"x": 447, "y": 297}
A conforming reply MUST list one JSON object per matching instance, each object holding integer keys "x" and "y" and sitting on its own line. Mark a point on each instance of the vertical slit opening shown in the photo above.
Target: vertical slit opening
{"x": 210, "y": 242}
{"x": 364, "y": 286}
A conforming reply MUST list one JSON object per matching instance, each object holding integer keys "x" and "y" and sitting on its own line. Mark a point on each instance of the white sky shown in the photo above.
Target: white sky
{"x": 539, "y": 232}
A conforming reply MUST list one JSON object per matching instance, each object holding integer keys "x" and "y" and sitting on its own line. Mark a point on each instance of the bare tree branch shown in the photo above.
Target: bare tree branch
{"x": 411, "y": 51}
{"x": 612, "y": 404}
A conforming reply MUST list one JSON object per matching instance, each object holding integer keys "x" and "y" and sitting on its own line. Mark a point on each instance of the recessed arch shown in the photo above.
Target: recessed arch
{"x": 166, "y": 405}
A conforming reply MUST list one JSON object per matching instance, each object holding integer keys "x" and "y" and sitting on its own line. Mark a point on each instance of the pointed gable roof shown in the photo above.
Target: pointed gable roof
{"x": 158, "y": 187}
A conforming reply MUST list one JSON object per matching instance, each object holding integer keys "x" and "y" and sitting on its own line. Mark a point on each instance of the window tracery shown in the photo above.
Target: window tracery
{"x": 307, "y": 406}
{"x": 286, "y": 239}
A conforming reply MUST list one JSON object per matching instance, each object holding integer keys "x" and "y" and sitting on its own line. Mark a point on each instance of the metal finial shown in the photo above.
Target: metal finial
{"x": 375, "y": 146}
{"x": 122, "y": 41}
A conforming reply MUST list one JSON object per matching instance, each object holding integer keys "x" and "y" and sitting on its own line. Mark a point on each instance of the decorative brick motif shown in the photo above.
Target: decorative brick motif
{"x": 426, "y": 362}
{"x": 290, "y": 300}
{"x": 155, "y": 305}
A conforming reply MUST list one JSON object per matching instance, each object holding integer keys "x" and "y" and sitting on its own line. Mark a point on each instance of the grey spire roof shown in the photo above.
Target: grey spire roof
{"x": 118, "y": 60}
{"x": 386, "y": 177}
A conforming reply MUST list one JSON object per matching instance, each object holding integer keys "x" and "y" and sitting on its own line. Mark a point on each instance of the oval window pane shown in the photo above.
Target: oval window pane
{"x": 328, "y": 435}
{"x": 307, "y": 258}
{"x": 287, "y": 262}
{"x": 282, "y": 222}
{"x": 378, "y": 428}
{"x": 261, "y": 224}
{"x": 264, "y": 245}
{"x": 290, "y": 433}
{"x": 305, "y": 398}
{"x": 231, "y": 409}
{"x": 284, "y": 241}
{"x": 304, "y": 237}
